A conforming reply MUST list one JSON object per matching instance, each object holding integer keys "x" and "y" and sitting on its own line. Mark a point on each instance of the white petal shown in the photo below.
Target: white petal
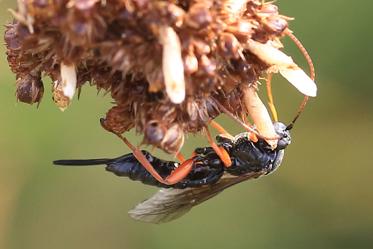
{"x": 285, "y": 64}
{"x": 269, "y": 54}
{"x": 68, "y": 80}
{"x": 300, "y": 80}
{"x": 172, "y": 65}
{"x": 258, "y": 112}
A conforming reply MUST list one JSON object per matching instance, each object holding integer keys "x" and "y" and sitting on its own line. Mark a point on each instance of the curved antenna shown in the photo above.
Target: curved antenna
{"x": 308, "y": 58}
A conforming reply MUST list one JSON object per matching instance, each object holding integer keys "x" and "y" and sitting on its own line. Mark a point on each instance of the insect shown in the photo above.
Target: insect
{"x": 208, "y": 175}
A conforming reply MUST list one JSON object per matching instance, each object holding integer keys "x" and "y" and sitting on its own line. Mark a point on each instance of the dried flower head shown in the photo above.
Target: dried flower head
{"x": 167, "y": 64}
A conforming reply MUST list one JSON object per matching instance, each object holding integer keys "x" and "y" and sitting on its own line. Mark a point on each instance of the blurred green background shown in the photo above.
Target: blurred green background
{"x": 321, "y": 197}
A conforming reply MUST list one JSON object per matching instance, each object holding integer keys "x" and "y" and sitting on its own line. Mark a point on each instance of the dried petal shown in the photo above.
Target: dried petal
{"x": 59, "y": 97}
{"x": 172, "y": 65}
{"x": 285, "y": 64}
{"x": 259, "y": 114}
{"x": 68, "y": 80}
{"x": 269, "y": 54}
{"x": 300, "y": 80}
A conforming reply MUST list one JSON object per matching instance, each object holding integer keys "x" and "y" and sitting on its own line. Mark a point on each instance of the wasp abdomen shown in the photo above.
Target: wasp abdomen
{"x": 129, "y": 166}
{"x": 207, "y": 169}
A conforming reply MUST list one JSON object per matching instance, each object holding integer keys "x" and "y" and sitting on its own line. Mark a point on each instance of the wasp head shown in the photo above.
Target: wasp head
{"x": 284, "y": 133}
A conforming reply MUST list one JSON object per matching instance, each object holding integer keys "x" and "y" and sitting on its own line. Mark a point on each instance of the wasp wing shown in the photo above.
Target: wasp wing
{"x": 169, "y": 204}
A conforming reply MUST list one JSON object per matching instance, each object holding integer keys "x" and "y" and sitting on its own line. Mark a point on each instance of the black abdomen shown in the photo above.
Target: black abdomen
{"x": 206, "y": 170}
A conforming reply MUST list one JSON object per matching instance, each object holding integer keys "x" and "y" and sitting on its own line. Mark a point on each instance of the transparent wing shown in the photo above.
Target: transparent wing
{"x": 169, "y": 204}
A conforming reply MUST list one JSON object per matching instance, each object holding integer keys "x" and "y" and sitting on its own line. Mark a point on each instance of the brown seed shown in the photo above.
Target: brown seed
{"x": 207, "y": 65}
{"x": 190, "y": 64}
{"x": 118, "y": 120}
{"x": 198, "y": 16}
{"x": 243, "y": 29}
{"x": 276, "y": 24}
{"x": 230, "y": 46}
{"x": 267, "y": 9}
{"x": 154, "y": 132}
{"x": 173, "y": 139}
{"x": 30, "y": 89}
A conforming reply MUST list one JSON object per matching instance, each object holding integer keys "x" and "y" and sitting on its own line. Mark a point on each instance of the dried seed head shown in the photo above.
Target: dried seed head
{"x": 168, "y": 62}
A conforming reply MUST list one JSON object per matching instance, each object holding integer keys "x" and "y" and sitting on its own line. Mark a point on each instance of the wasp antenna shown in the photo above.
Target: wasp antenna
{"x": 300, "y": 110}
{"x": 308, "y": 58}
{"x": 304, "y": 51}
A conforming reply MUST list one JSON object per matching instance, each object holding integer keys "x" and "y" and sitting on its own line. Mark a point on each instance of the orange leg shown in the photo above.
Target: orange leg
{"x": 220, "y": 151}
{"x": 220, "y": 129}
{"x": 255, "y": 135}
{"x": 176, "y": 175}
{"x": 270, "y": 98}
{"x": 180, "y": 157}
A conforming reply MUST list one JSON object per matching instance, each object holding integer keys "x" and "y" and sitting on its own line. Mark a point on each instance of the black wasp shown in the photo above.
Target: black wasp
{"x": 208, "y": 175}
